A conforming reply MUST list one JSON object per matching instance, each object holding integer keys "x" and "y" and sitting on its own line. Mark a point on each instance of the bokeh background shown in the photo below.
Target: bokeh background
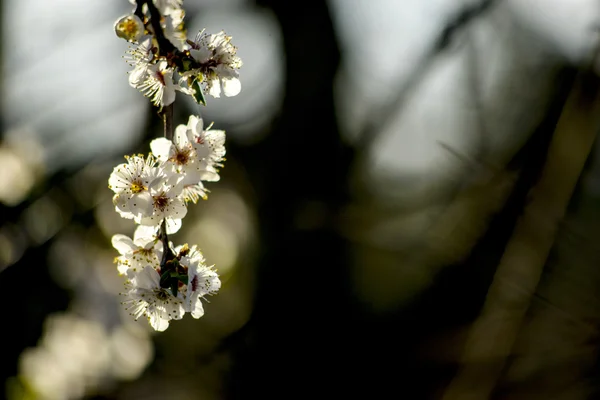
{"x": 379, "y": 158}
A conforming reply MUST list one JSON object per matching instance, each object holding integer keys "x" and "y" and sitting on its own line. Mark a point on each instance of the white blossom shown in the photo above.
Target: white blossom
{"x": 173, "y": 27}
{"x": 168, "y": 7}
{"x": 166, "y": 202}
{"x": 146, "y": 297}
{"x": 219, "y": 64}
{"x": 144, "y": 249}
{"x": 158, "y": 84}
{"x": 202, "y": 280}
{"x": 154, "y": 190}
{"x": 140, "y": 58}
{"x": 209, "y": 145}
{"x": 131, "y": 183}
{"x": 129, "y": 27}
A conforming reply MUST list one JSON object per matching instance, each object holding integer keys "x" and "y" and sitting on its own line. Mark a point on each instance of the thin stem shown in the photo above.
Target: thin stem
{"x": 167, "y": 114}
{"x": 167, "y": 253}
{"x": 167, "y": 50}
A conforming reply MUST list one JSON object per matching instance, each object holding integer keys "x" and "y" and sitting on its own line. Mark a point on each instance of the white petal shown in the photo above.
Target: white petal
{"x": 148, "y": 278}
{"x": 169, "y": 93}
{"x": 180, "y": 137}
{"x": 157, "y": 321}
{"x": 195, "y": 124}
{"x": 210, "y": 175}
{"x": 173, "y": 225}
{"x": 123, "y": 244}
{"x": 162, "y": 148}
{"x": 195, "y": 307}
{"x": 121, "y": 203}
{"x": 119, "y": 179}
{"x": 142, "y": 204}
{"x": 175, "y": 308}
{"x": 192, "y": 175}
{"x": 216, "y": 138}
{"x": 194, "y": 193}
{"x": 231, "y": 86}
{"x": 123, "y": 269}
{"x": 176, "y": 209}
{"x": 138, "y": 75}
{"x": 202, "y": 55}
{"x": 144, "y": 233}
{"x": 214, "y": 88}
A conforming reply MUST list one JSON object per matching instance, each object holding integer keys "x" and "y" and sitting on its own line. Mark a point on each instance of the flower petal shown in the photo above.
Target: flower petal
{"x": 142, "y": 204}
{"x": 195, "y": 307}
{"x": 173, "y": 225}
{"x": 180, "y": 137}
{"x": 123, "y": 244}
{"x": 147, "y": 278}
{"x": 162, "y": 148}
{"x": 231, "y": 86}
{"x": 214, "y": 88}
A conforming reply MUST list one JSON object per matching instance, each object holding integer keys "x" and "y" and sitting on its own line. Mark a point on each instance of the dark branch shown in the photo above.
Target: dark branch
{"x": 165, "y": 47}
{"x": 167, "y": 114}
{"x": 138, "y": 9}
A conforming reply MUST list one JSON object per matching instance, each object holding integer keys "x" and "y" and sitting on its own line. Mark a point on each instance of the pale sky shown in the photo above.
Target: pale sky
{"x": 65, "y": 80}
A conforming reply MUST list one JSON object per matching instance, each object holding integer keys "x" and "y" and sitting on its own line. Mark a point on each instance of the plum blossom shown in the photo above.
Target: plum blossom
{"x": 163, "y": 282}
{"x": 219, "y": 64}
{"x": 202, "y": 279}
{"x": 140, "y": 57}
{"x": 129, "y": 27}
{"x": 146, "y": 297}
{"x": 131, "y": 183}
{"x": 144, "y": 249}
{"x": 158, "y": 84}
{"x": 166, "y": 202}
{"x": 195, "y": 153}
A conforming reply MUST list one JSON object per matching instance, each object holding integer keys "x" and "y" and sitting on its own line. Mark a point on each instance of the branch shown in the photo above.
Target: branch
{"x": 168, "y": 254}
{"x": 166, "y": 49}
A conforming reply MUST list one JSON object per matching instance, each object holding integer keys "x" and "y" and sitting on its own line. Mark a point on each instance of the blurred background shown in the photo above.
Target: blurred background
{"x": 377, "y": 226}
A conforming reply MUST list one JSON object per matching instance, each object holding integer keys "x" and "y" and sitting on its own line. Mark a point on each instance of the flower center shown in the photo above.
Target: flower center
{"x": 182, "y": 157}
{"x": 162, "y": 294}
{"x": 147, "y": 254}
{"x": 129, "y": 28}
{"x": 137, "y": 187}
{"x": 161, "y": 202}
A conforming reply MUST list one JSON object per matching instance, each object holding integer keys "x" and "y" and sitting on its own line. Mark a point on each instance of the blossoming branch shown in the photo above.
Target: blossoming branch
{"x": 164, "y": 281}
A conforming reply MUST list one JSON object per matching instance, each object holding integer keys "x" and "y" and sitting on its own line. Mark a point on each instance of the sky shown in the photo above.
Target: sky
{"x": 66, "y": 82}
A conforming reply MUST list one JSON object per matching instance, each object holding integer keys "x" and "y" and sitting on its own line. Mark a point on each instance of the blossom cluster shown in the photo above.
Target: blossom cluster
{"x": 164, "y": 281}
{"x": 165, "y": 61}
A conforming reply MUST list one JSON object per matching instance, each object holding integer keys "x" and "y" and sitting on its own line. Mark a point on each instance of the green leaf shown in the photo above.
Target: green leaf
{"x": 183, "y": 278}
{"x": 174, "y": 286}
{"x": 198, "y": 95}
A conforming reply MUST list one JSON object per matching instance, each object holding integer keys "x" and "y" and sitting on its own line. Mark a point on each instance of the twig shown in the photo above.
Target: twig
{"x": 168, "y": 255}
{"x": 167, "y": 114}
{"x": 165, "y": 48}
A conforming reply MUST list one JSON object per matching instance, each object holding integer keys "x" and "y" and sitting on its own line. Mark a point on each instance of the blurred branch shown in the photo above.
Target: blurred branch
{"x": 460, "y": 22}
{"x": 492, "y": 336}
